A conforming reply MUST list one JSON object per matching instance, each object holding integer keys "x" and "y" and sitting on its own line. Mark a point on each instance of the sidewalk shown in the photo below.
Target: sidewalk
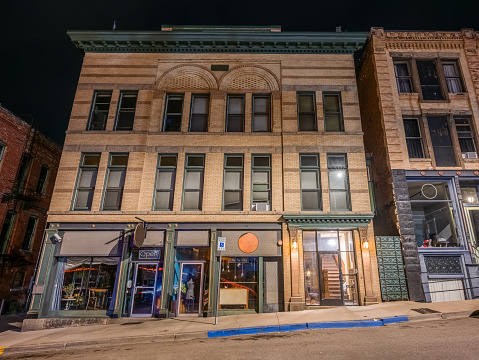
{"x": 183, "y": 328}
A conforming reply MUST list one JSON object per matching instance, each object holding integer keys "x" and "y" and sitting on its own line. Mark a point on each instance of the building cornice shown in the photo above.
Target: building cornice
{"x": 329, "y": 220}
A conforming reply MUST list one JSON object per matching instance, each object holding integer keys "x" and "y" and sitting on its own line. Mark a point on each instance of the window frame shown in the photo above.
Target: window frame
{"x": 42, "y": 183}
{"x": 22, "y": 174}
{"x": 230, "y": 168}
{"x": 267, "y": 169}
{"x": 207, "y": 115}
{"x": 440, "y": 79}
{"x": 421, "y": 137}
{"x": 3, "y": 150}
{"x": 457, "y": 68}
{"x": 200, "y": 190}
{"x": 471, "y": 132}
{"x": 314, "y": 112}
{"x": 318, "y": 190}
{"x": 166, "y": 113}
{"x": 120, "y": 109}
{"x": 121, "y": 189}
{"x": 268, "y": 113}
{"x": 227, "y": 121}
{"x": 340, "y": 112}
{"x": 92, "y": 109}
{"x": 347, "y": 189}
{"x": 409, "y": 76}
{"x": 165, "y": 168}
{"x": 81, "y": 167}
{"x": 8, "y": 231}
{"x": 27, "y": 243}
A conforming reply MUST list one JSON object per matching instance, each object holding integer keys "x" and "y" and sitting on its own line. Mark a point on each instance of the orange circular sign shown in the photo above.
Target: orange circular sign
{"x": 248, "y": 243}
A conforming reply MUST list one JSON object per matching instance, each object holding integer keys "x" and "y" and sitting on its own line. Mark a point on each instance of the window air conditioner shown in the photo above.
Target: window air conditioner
{"x": 260, "y": 207}
{"x": 471, "y": 155}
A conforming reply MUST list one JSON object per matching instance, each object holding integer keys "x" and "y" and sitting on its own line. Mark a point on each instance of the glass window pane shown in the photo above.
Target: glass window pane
{"x": 307, "y": 122}
{"x": 260, "y": 196}
{"x": 234, "y": 161}
{"x": 162, "y": 200}
{"x": 191, "y": 200}
{"x": 164, "y": 180}
{"x": 116, "y": 178}
{"x": 337, "y": 179}
{"x": 235, "y": 123}
{"x": 309, "y": 240}
{"x": 166, "y": 160}
{"x": 401, "y": 69}
{"x": 125, "y": 120}
{"x": 260, "y": 177}
{"x": 309, "y": 179}
{"x": 112, "y": 199}
{"x": 261, "y": 161}
{"x": 310, "y": 200}
{"x": 193, "y": 180}
{"x": 173, "y": 122}
{"x": 338, "y": 200}
{"x": 336, "y": 161}
{"x": 91, "y": 160}
{"x": 311, "y": 278}
{"x": 84, "y": 199}
{"x": 235, "y": 105}
{"x": 87, "y": 178}
{"x": 128, "y": 101}
{"x": 232, "y": 180}
{"x": 119, "y": 160}
{"x": 199, "y": 123}
{"x": 261, "y": 123}
{"x": 260, "y": 187}
{"x": 331, "y": 103}
{"x": 261, "y": 104}
{"x": 346, "y": 242}
{"x": 309, "y": 160}
{"x": 233, "y": 200}
{"x": 175, "y": 105}
{"x": 306, "y": 103}
{"x": 449, "y": 70}
{"x": 332, "y": 122}
{"x": 328, "y": 241}
{"x": 200, "y": 105}
{"x": 195, "y": 160}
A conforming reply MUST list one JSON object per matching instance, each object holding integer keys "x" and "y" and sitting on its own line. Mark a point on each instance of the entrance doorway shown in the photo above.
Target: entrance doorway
{"x": 144, "y": 289}
{"x": 191, "y": 285}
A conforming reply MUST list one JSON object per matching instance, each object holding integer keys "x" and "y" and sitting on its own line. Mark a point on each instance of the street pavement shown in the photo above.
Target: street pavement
{"x": 136, "y": 331}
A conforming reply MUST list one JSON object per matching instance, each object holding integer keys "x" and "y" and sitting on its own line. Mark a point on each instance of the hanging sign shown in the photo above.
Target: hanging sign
{"x": 139, "y": 235}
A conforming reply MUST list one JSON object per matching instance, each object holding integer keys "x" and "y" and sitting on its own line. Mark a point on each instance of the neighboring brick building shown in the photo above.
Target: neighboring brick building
{"x": 419, "y": 95}
{"x": 28, "y": 167}
{"x": 247, "y": 134}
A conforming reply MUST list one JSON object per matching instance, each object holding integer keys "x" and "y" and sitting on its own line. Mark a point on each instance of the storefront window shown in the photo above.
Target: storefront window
{"x": 469, "y": 191}
{"x": 239, "y": 283}
{"x": 432, "y": 213}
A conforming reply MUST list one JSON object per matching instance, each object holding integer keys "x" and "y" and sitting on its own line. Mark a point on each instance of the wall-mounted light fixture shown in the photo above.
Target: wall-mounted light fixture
{"x": 365, "y": 244}
{"x": 295, "y": 244}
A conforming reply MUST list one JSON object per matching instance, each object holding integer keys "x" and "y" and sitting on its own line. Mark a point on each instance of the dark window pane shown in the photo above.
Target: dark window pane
{"x": 42, "y": 180}
{"x": 234, "y": 161}
{"x": 331, "y": 103}
{"x": 235, "y": 123}
{"x": 332, "y": 122}
{"x": 119, "y": 160}
{"x": 128, "y": 101}
{"x": 261, "y": 161}
{"x": 441, "y": 141}
{"x": 175, "y": 105}
{"x": 414, "y": 148}
{"x": 27, "y": 240}
{"x": 411, "y": 128}
{"x": 199, "y": 123}
{"x": 309, "y": 160}
{"x": 310, "y": 200}
{"x": 125, "y": 120}
{"x": 261, "y": 123}
{"x": 306, "y": 103}
{"x": 166, "y": 160}
{"x": 173, "y": 122}
{"x": 429, "y": 80}
{"x": 307, "y": 122}
{"x": 336, "y": 161}
{"x": 91, "y": 160}
{"x": 195, "y": 160}
{"x": 235, "y": 105}
{"x": 401, "y": 69}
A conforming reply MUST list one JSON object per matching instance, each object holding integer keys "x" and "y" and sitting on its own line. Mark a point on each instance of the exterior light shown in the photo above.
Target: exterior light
{"x": 470, "y": 199}
{"x": 366, "y": 244}
{"x": 295, "y": 244}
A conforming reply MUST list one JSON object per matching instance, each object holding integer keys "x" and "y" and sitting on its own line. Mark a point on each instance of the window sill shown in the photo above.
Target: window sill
{"x": 443, "y": 101}
{"x": 419, "y": 160}
{"x": 408, "y": 94}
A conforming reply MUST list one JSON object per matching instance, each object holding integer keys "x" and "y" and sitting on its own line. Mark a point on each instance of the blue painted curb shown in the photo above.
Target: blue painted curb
{"x": 394, "y": 320}
{"x": 344, "y": 324}
{"x": 293, "y": 327}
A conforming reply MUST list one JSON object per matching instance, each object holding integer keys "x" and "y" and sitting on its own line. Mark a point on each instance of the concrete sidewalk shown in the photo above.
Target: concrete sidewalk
{"x": 183, "y": 328}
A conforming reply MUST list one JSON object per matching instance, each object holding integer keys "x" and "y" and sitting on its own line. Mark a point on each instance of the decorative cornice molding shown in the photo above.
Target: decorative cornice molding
{"x": 329, "y": 220}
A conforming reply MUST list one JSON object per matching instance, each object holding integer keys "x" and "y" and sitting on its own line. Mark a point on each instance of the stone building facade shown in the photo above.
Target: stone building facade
{"x": 419, "y": 105}
{"x": 28, "y": 167}
{"x": 245, "y": 136}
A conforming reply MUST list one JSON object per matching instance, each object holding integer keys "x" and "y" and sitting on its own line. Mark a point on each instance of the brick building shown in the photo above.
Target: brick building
{"x": 28, "y": 167}
{"x": 419, "y": 96}
{"x": 246, "y": 135}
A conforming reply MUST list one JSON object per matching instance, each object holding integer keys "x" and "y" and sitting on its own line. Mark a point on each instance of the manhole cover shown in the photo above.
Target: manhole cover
{"x": 425, "y": 311}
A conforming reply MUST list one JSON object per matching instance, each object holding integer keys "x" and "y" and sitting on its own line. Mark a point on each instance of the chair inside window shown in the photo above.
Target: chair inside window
{"x": 92, "y": 298}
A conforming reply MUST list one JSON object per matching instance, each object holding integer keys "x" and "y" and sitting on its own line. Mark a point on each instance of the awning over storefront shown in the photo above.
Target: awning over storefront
{"x": 91, "y": 243}
{"x": 267, "y": 243}
{"x": 193, "y": 238}
{"x": 154, "y": 239}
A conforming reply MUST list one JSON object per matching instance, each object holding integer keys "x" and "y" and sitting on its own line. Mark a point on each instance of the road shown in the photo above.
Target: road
{"x": 438, "y": 339}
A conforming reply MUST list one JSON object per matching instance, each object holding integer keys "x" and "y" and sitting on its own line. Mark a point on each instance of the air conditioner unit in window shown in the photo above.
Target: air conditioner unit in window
{"x": 260, "y": 207}
{"x": 471, "y": 155}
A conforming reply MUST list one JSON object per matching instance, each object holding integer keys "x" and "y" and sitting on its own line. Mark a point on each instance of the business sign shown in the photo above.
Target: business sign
{"x": 148, "y": 254}
{"x": 221, "y": 243}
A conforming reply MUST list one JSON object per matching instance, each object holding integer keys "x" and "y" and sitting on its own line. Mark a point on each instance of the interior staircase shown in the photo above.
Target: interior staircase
{"x": 331, "y": 281}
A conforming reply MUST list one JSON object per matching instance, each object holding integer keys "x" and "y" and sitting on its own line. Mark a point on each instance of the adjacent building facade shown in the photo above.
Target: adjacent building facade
{"x": 245, "y": 137}
{"x": 28, "y": 167}
{"x": 419, "y": 96}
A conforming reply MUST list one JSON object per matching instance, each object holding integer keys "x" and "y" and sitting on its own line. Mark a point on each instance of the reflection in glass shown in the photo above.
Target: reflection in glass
{"x": 239, "y": 283}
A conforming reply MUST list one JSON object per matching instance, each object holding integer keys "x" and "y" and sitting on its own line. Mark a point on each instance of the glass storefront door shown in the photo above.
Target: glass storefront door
{"x": 330, "y": 279}
{"x": 191, "y": 286}
{"x": 144, "y": 290}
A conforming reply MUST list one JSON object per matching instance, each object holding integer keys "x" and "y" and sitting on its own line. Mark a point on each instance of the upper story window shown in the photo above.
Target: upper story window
{"x": 22, "y": 173}
{"x": 99, "y": 110}
{"x": 200, "y": 104}
{"x": 261, "y": 113}
{"x": 193, "y": 182}
{"x": 235, "y": 113}
{"x": 6, "y": 231}
{"x": 429, "y": 80}
{"x": 86, "y": 181}
{"x": 29, "y": 233}
{"x": 310, "y": 182}
{"x": 261, "y": 182}
{"x": 413, "y": 138}
{"x": 165, "y": 182}
{"x": 452, "y": 75}
{"x": 307, "y": 112}
{"x": 466, "y": 138}
{"x": 441, "y": 141}
{"x": 333, "y": 112}
{"x": 126, "y": 110}
{"x": 403, "y": 77}
{"x": 233, "y": 183}
{"x": 173, "y": 112}
{"x": 115, "y": 181}
{"x": 42, "y": 179}
{"x": 339, "y": 196}
{"x": 2, "y": 152}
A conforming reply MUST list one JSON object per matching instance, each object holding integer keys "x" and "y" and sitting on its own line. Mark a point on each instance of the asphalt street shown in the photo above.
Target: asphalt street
{"x": 438, "y": 339}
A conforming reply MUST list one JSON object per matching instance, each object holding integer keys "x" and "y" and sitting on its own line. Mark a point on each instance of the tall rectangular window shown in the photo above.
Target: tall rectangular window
{"x": 22, "y": 173}
{"x": 464, "y": 134}
{"x": 339, "y": 196}
{"x": 261, "y": 113}
{"x": 413, "y": 138}
{"x": 453, "y": 78}
{"x": 126, "y": 110}
{"x": 29, "y": 233}
{"x": 2, "y": 151}
{"x": 429, "y": 80}
{"x": 403, "y": 77}
{"x": 86, "y": 181}
{"x": 200, "y": 104}
{"x": 441, "y": 141}
{"x": 42, "y": 179}
{"x": 233, "y": 183}
{"x": 310, "y": 182}
{"x": 165, "y": 182}
{"x": 193, "y": 182}
{"x": 173, "y": 112}
{"x": 306, "y": 112}
{"x": 99, "y": 110}
{"x": 235, "y": 113}
{"x": 115, "y": 181}
{"x": 261, "y": 182}
{"x": 333, "y": 112}
{"x": 6, "y": 232}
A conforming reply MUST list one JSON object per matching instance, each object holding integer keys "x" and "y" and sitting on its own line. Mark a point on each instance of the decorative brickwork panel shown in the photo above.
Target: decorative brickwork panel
{"x": 187, "y": 82}
{"x": 443, "y": 265}
{"x": 249, "y": 81}
{"x": 391, "y": 268}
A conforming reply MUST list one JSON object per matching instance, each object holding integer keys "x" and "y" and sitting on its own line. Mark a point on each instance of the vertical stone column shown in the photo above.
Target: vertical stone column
{"x": 369, "y": 297}
{"x": 296, "y": 302}
{"x": 119, "y": 294}
{"x": 168, "y": 270}
{"x": 213, "y": 276}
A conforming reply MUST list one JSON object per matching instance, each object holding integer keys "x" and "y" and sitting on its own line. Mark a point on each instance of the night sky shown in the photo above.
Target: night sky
{"x": 39, "y": 66}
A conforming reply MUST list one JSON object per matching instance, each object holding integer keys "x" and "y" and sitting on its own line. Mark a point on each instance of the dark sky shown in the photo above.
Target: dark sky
{"x": 39, "y": 66}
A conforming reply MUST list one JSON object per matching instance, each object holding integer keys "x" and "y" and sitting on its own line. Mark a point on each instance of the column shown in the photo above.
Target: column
{"x": 296, "y": 302}
{"x": 369, "y": 297}
{"x": 168, "y": 270}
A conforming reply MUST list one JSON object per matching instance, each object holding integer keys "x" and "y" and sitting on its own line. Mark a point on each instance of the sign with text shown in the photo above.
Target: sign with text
{"x": 148, "y": 254}
{"x": 221, "y": 243}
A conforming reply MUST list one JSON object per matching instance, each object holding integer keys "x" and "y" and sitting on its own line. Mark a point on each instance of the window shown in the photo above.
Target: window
{"x": 441, "y": 141}
{"x": 453, "y": 80}
{"x": 310, "y": 182}
{"x": 18, "y": 280}
{"x": 306, "y": 112}
{"x": 464, "y": 133}
{"x": 19, "y": 184}
{"x": 413, "y": 138}
{"x": 173, "y": 112}
{"x": 261, "y": 181}
{"x": 42, "y": 179}
{"x": 235, "y": 113}
{"x": 261, "y": 113}
{"x": 165, "y": 182}
{"x": 338, "y": 182}
{"x": 126, "y": 110}
{"x": 333, "y": 117}
{"x": 403, "y": 77}
{"x": 193, "y": 183}
{"x": 115, "y": 181}
{"x": 86, "y": 181}
{"x": 429, "y": 80}
{"x": 6, "y": 230}
{"x": 29, "y": 233}
{"x": 99, "y": 110}
{"x": 233, "y": 183}
{"x": 199, "y": 113}
{"x": 2, "y": 151}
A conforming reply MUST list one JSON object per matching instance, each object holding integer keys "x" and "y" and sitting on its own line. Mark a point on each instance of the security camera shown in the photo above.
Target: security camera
{"x": 56, "y": 238}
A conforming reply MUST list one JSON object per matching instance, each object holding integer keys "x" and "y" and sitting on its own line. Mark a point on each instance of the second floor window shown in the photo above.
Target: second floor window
{"x": 333, "y": 112}
{"x": 173, "y": 112}
{"x": 403, "y": 77}
{"x": 199, "y": 113}
{"x": 261, "y": 113}
{"x": 2, "y": 151}
{"x": 441, "y": 141}
{"x": 261, "y": 182}
{"x": 29, "y": 233}
{"x": 85, "y": 188}
{"x": 99, "y": 110}
{"x": 115, "y": 181}
{"x": 42, "y": 180}
{"x": 339, "y": 197}
{"x": 466, "y": 139}
{"x": 413, "y": 138}
{"x": 233, "y": 183}
{"x": 306, "y": 112}
{"x": 6, "y": 231}
{"x": 235, "y": 113}
{"x": 126, "y": 110}
{"x": 429, "y": 80}
{"x": 165, "y": 182}
{"x": 310, "y": 182}
{"x": 193, "y": 182}
{"x": 19, "y": 185}
{"x": 453, "y": 80}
